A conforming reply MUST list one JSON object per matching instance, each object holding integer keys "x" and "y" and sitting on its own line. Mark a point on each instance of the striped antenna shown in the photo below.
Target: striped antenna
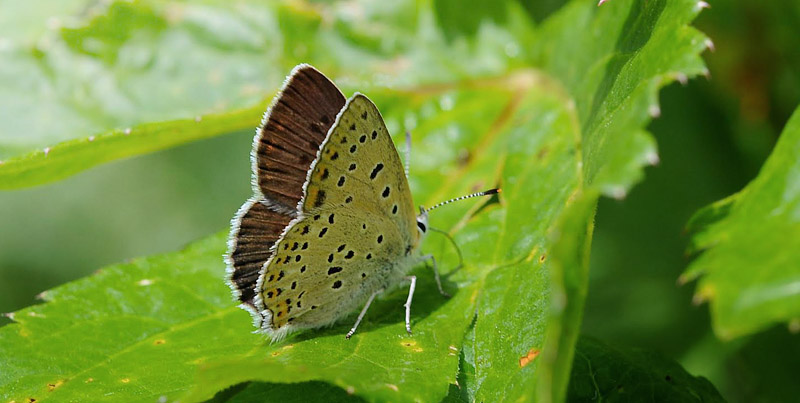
{"x": 408, "y": 152}
{"x": 484, "y": 193}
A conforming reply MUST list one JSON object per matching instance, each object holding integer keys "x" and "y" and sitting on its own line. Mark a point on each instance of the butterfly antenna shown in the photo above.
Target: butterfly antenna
{"x": 408, "y": 151}
{"x": 484, "y": 193}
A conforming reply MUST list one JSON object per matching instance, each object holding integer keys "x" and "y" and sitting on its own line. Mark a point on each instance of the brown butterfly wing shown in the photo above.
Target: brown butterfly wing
{"x": 255, "y": 228}
{"x": 284, "y": 147}
{"x": 289, "y": 138}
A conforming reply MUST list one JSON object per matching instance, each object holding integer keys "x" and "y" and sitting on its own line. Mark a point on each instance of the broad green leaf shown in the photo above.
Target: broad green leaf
{"x": 609, "y": 74}
{"x": 605, "y": 373}
{"x": 70, "y": 157}
{"x": 515, "y": 305}
{"x": 105, "y": 335}
{"x": 122, "y": 64}
{"x": 130, "y": 63}
{"x": 749, "y": 266}
{"x": 457, "y": 17}
{"x": 599, "y": 372}
{"x": 612, "y": 68}
{"x": 25, "y": 22}
{"x": 570, "y": 256}
{"x": 553, "y": 138}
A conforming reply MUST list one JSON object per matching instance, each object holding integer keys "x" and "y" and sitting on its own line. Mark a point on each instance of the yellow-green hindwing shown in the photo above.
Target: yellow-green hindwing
{"x": 356, "y": 232}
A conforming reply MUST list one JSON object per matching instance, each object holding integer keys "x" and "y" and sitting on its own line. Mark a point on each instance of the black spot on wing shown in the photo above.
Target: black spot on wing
{"x": 320, "y": 200}
{"x": 375, "y": 170}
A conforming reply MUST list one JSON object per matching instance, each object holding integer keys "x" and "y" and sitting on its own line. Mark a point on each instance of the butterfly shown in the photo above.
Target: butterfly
{"x": 332, "y": 223}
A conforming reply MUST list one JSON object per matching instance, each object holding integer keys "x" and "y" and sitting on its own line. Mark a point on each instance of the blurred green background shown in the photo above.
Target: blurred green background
{"x": 713, "y": 135}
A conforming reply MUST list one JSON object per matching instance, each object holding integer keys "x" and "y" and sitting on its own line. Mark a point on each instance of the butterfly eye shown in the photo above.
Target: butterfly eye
{"x": 421, "y": 226}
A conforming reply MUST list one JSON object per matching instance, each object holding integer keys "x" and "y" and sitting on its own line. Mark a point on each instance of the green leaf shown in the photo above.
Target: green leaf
{"x": 569, "y": 283}
{"x": 625, "y": 52}
{"x": 27, "y": 22}
{"x": 122, "y": 65}
{"x": 458, "y": 17}
{"x": 609, "y": 83}
{"x": 750, "y": 263}
{"x": 605, "y": 373}
{"x": 481, "y": 114}
{"x": 285, "y": 393}
{"x": 106, "y": 335}
{"x": 70, "y": 157}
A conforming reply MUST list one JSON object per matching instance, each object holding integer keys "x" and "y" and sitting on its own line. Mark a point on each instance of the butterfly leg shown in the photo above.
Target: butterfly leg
{"x": 363, "y": 312}
{"x": 436, "y": 274}
{"x": 413, "y": 280}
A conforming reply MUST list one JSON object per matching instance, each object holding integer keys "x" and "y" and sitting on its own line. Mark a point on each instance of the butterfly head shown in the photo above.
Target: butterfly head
{"x": 422, "y": 222}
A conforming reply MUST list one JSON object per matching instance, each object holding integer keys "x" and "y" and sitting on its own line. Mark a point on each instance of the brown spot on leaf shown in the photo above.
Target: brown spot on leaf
{"x": 542, "y": 153}
{"x": 52, "y": 386}
{"x": 528, "y": 358}
{"x": 412, "y": 345}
